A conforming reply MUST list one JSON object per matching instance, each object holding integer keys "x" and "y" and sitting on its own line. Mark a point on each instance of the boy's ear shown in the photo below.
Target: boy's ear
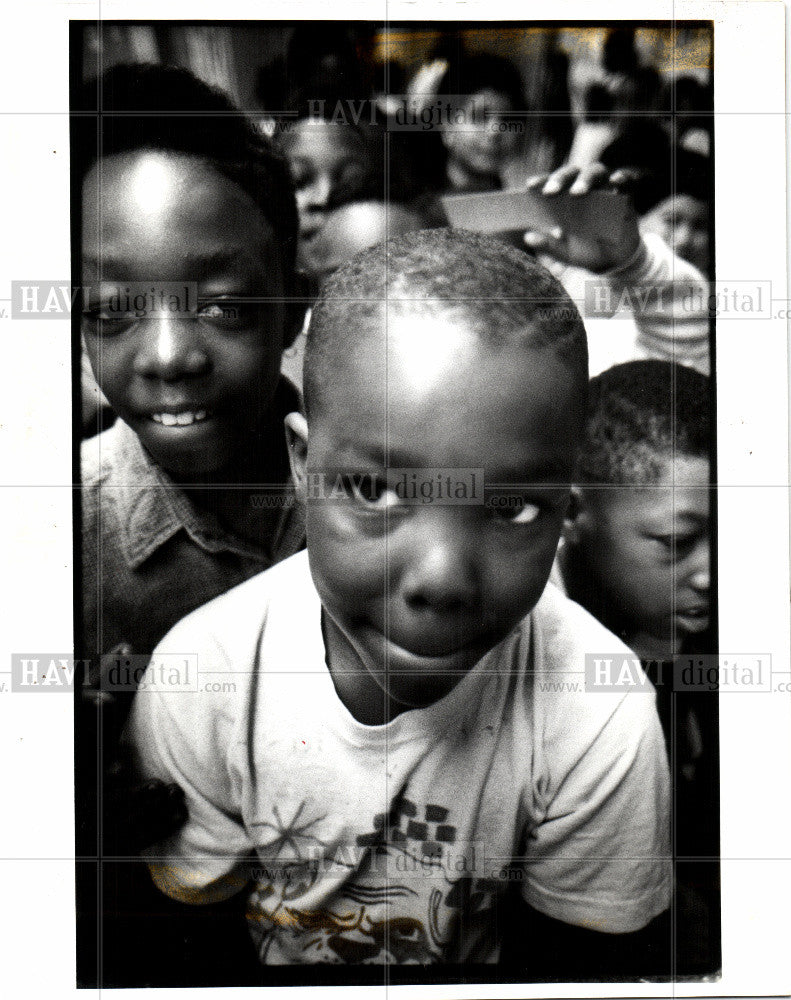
{"x": 297, "y": 305}
{"x": 297, "y": 443}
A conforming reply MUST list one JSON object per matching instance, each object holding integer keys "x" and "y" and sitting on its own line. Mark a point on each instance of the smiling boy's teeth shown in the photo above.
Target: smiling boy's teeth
{"x": 179, "y": 419}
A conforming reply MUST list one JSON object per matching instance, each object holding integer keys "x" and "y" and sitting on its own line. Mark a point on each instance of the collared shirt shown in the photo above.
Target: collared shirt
{"x": 150, "y": 555}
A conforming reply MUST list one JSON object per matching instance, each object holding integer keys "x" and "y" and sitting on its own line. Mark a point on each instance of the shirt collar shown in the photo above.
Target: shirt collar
{"x": 152, "y": 508}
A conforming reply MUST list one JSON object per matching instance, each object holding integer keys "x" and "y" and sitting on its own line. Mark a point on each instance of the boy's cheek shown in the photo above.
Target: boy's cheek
{"x": 108, "y": 367}
{"x": 337, "y": 543}
{"x": 349, "y": 581}
{"x": 91, "y": 347}
{"x": 338, "y": 521}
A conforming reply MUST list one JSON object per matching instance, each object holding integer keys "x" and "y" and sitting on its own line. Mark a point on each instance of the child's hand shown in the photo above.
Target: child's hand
{"x": 134, "y": 815}
{"x": 424, "y": 86}
{"x": 613, "y": 248}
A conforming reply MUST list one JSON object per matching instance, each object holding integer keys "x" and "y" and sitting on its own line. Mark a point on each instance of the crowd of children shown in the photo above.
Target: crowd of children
{"x": 405, "y": 767}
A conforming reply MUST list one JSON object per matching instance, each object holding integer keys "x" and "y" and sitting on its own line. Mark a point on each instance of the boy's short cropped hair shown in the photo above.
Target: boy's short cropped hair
{"x": 640, "y": 414}
{"x": 163, "y": 108}
{"x": 501, "y": 292}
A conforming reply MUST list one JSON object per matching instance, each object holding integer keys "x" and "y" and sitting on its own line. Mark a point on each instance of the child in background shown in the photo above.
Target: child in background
{"x": 682, "y": 220}
{"x": 181, "y": 190}
{"x": 671, "y": 189}
{"x": 335, "y": 153}
{"x": 482, "y": 92}
{"x": 478, "y": 137}
{"x": 680, "y": 216}
{"x": 398, "y": 702}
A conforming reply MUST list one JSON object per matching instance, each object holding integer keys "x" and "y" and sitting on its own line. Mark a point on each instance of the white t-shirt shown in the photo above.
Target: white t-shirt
{"x": 393, "y": 843}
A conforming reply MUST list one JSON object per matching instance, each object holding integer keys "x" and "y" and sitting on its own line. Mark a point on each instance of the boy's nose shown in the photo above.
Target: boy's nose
{"x": 318, "y": 194}
{"x": 701, "y": 580}
{"x": 441, "y": 573}
{"x": 170, "y": 350}
{"x": 700, "y": 576}
{"x": 682, "y": 237}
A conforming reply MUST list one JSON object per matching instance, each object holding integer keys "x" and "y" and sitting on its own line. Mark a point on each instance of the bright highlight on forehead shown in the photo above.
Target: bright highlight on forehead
{"x": 422, "y": 348}
{"x": 151, "y": 184}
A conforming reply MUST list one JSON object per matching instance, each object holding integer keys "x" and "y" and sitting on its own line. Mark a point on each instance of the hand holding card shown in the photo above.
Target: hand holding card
{"x": 581, "y": 217}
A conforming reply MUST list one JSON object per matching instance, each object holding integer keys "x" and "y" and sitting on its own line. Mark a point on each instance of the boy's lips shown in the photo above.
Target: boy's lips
{"x": 694, "y": 609}
{"x": 694, "y": 618}
{"x": 422, "y": 653}
{"x": 180, "y": 418}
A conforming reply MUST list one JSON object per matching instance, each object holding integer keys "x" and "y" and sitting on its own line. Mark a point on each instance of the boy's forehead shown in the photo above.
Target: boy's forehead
{"x": 682, "y": 482}
{"x": 427, "y": 343}
{"x": 155, "y": 204}
{"x": 152, "y": 186}
{"x": 419, "y": 379}
{"x": 379, "y": 345}
{"x": 316, "y": 135}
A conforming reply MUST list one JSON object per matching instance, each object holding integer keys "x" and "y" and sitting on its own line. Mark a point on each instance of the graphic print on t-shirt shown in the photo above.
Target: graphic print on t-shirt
{"x": 400, "y": 894}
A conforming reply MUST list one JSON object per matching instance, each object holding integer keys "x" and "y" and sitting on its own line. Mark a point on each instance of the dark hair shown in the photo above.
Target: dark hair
{"x": 141, "y": 106}
{"x": 662, "y": 169}
{"x": 471, "y": 73}
{"x": 501, "y": 292}
{"x": 640, "y": 414}
{"x": 619, "y": 54}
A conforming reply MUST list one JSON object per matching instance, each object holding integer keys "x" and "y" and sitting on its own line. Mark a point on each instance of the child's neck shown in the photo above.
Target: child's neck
{"x": 234, "y": 493}
{"x": 649, "y": 647}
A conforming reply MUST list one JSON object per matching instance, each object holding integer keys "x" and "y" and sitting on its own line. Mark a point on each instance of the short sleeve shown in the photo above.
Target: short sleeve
{"x": 184, "y": 737}
{"x": 600, "y": 857}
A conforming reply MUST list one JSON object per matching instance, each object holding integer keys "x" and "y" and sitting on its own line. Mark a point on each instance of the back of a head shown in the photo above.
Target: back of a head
{"x": 640, "y": 415}
{"x": 354, "y": 227}
{"x": 497, "y": 291}
{"x": 159, "y": 108}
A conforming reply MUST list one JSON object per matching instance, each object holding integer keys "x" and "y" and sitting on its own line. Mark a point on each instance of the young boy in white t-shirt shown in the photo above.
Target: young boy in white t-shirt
{"x": 393, "y": 735}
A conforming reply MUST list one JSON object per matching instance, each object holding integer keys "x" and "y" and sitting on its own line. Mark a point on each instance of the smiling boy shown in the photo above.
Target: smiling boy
{"x": 183, "y": 205}
{"x": 406, "y": 732}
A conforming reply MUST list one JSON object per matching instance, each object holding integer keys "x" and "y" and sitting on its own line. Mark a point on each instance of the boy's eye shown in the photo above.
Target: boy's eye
{"x": 213, "y": 310}
{"x": 681, "y": 544}
{"x": 527, "y": 514}
{"x": 373, "y": 493}
{"x": 105, "y": 322}
{"x": 230, "y": 313}
{"x": 513, "y": 508}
